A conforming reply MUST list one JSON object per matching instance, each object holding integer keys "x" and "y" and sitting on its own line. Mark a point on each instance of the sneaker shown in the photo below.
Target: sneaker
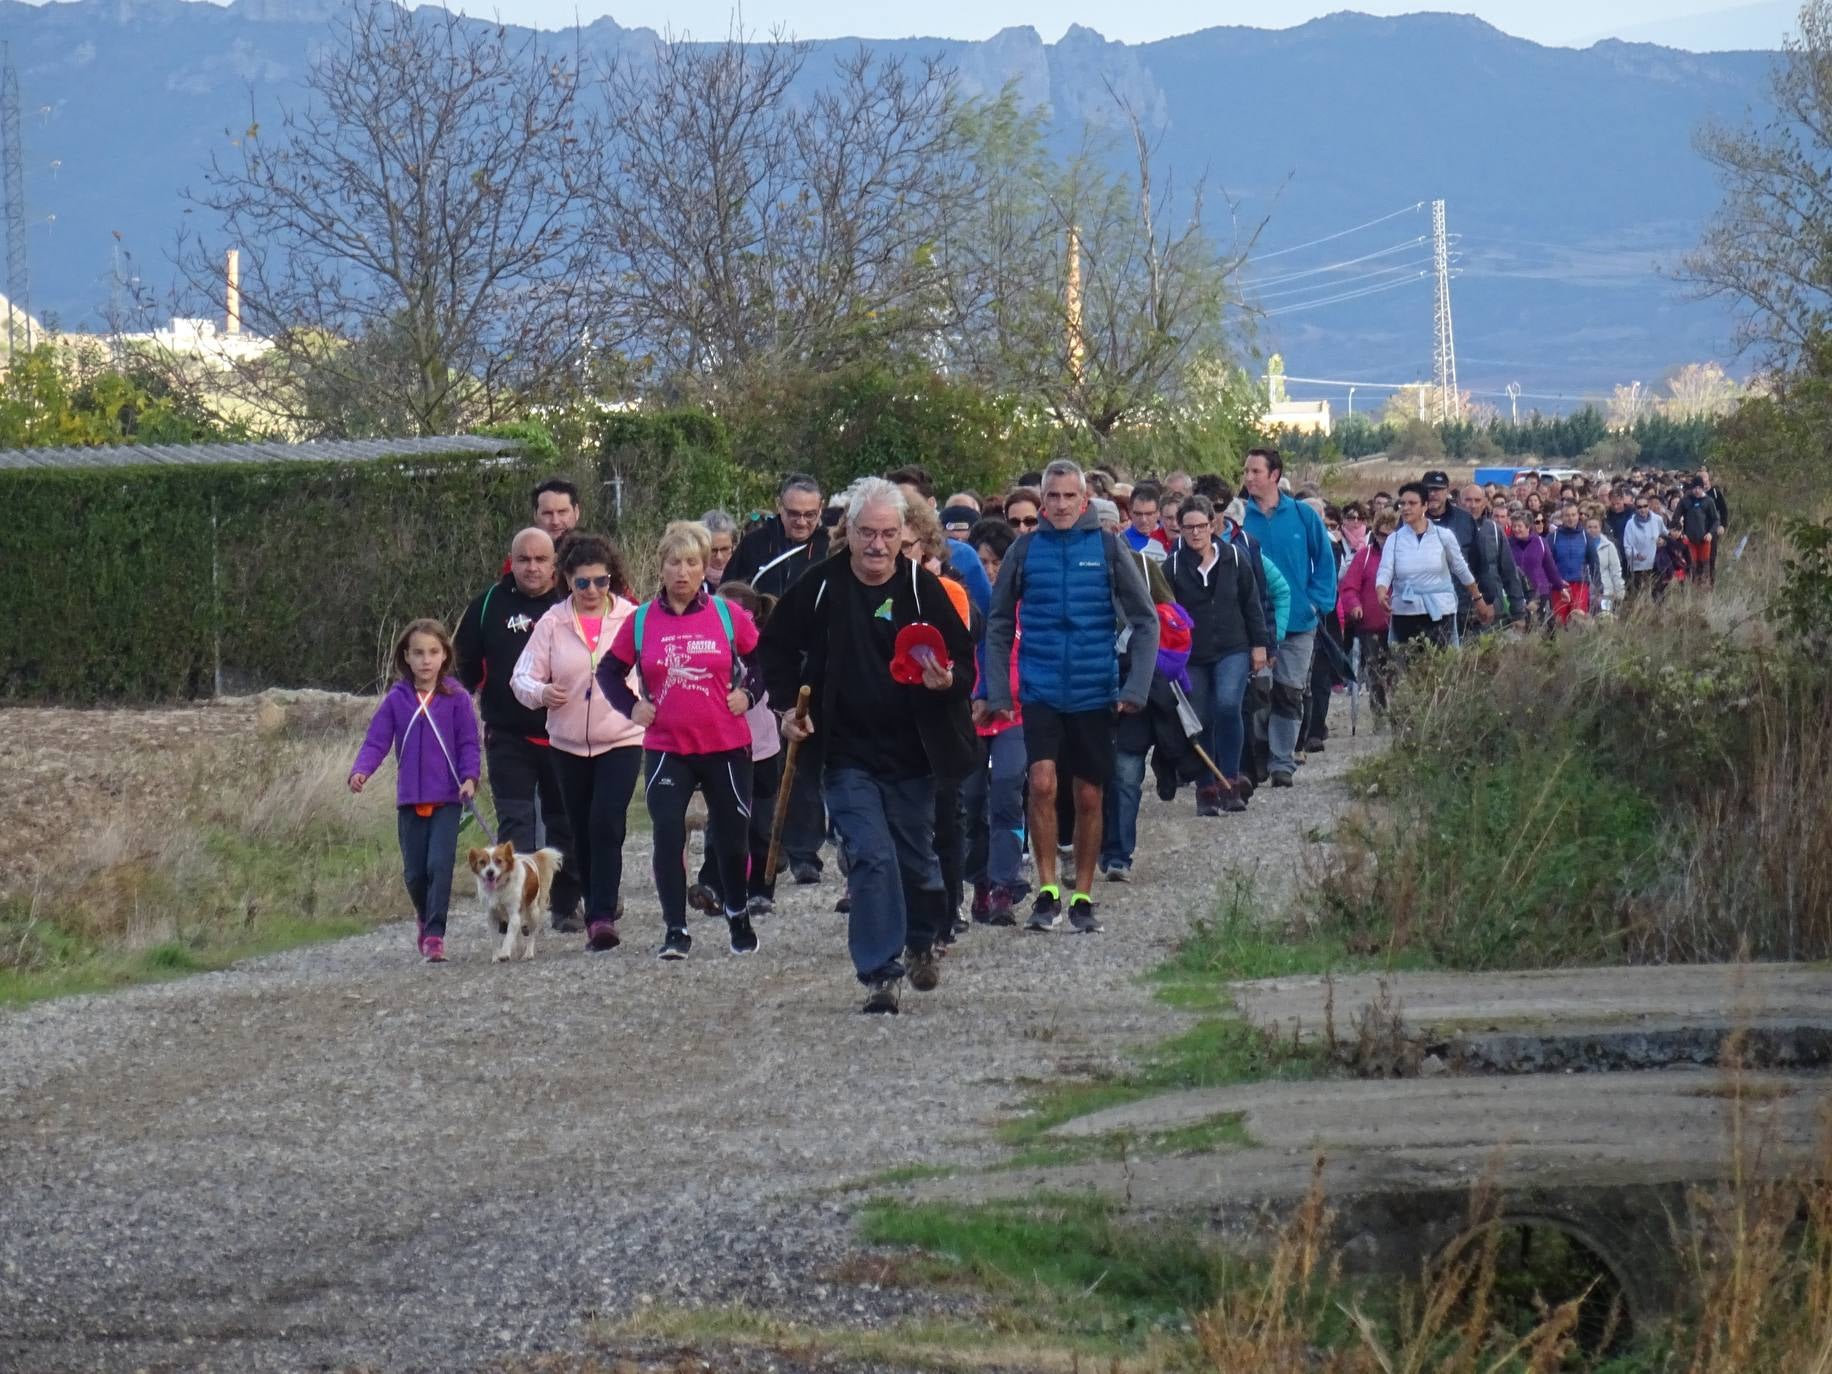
{"x": 981, "y": 894}
{"x": 805, "y": 874}
{"x": 744, "y": 939}
{"x": 1118, "y": 873}
{"x": 1315, "y": 746}
{"x": 1281, "y": 779}
{"x": 998, "y": 908}
{"x": 702, "y": 898}
{"x": 1167, "y": 785}
{"x": 1244, "y": 787}
{"x": 759, "y": 906}
{"x": 601, "y": 936}
{"x": 958, "y": 929}
{"x": 925, "y": 970}
{"x": 1208, "y": 800}
{"x": 844, "y": 905}
{"x": 432, "y": 949}
{"x": 881, "y": 1000}
{"x": 1045, "y": 912}
{"x": 1232, "y": 801}
{"x": 1082, "y": 919}
{"x": 675, "y": 946}
{"x": 572, "y": 923}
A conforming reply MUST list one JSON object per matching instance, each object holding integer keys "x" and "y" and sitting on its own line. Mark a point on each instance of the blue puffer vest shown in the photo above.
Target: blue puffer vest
{"x": 1066, "y": 659}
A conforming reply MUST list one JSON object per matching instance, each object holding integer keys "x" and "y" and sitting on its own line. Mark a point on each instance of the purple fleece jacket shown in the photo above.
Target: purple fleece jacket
{"x": 424, "y": 776}
{"x": 1537, "y": 566}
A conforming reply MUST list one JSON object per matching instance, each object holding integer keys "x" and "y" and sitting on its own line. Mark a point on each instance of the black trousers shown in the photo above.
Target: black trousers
{"x": 669, "y": 781}
{"x": 597, "y": 794}
{"x": 1408, "y": 629}
{"x": 804, "y": 828}
{"x": 522, "y": 773}
{"x": 765, "y": 774}
{"x": 429, "y": 849}
{"x": 950, "y": 843}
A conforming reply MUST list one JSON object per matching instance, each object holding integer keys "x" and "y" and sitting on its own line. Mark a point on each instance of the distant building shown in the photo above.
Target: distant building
{"x": 1301, "y": 417}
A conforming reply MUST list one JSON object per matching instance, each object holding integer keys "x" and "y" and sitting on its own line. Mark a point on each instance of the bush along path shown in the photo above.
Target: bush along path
{"x": 340, "y": 1157}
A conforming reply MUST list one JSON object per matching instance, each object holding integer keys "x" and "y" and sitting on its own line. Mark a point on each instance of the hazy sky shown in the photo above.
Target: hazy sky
{"x": 1545, "y": 21}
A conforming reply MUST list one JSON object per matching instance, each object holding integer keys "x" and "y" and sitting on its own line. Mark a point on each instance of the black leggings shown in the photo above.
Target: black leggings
{"x": 668, "y": 783}
{"x": 765, "y": 774}
{"x": 597, "y": 793}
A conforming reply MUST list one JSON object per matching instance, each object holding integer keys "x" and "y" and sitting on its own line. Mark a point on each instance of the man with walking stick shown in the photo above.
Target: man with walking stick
{"x": 888, "y": 666}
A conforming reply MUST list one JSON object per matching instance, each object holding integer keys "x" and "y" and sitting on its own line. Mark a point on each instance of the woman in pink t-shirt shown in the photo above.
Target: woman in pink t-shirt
{"x": 688, "y": 650}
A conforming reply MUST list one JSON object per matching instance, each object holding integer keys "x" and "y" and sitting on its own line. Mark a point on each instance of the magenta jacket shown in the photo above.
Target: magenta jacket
{"x": 1357, "y": 589}
{"x": 1537, "y": 569}
{"x": 424, "y": 774}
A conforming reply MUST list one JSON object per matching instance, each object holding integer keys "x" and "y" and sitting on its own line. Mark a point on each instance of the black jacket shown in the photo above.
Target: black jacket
{"x": 1698, "y": 517}
{"x": 1497, "y": 575}
{"x": 1462, "y": 524}
{"x": 767, "y": 560}
{"x": 1224, "y": 606}
{"x": 806, "y": 643}
{"x": 491, "y": 636}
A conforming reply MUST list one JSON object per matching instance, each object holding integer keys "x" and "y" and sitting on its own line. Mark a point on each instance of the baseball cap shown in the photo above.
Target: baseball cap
{"x": 959, "y": 515}
{"x": 913, "y": 641}
{"x": 1435, "y": 479}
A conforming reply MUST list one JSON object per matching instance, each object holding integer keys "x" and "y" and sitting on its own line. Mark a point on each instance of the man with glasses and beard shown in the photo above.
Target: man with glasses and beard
{"x": 773, "y": 557}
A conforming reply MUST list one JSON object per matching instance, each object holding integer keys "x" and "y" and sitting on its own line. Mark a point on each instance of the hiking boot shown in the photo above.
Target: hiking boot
{"x": 881, "y": 999}
{"x": 432, "y": 949}
{"x": 805, "y": 874}
{"x": 1232, "y": 801}
{"x": 676, "y": 946}
{"x": 1315, "y": 746}
{"x": 1208, "y": 800}
{"x": 1118, "y": 873}
{"x": 998, "y": 908}
{"x": 981, "y": 894}
{"x": 1244, "y": 788}
{"x": 601, "y": 936}
{"x": 702, "y": 898}
{"x": 1082, "y": 919}
{"x": 1281, "y": 779}
{"x": 744, "y": 939}
{"x": 1167, "y": 784}
{"x": 925, "y": 970}
{"x": 572, "y": 923}
{"x": 1046, "y": 911}
{"x": 759, "y": 906}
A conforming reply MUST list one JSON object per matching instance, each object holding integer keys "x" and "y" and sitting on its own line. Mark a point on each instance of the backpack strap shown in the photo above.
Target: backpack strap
{"x": 731, "y": 638}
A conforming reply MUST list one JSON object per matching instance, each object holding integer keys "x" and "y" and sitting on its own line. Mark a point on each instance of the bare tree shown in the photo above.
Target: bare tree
{"x": 758, "y": 227}
{"x": 1087, "y": 284}
{"x": 411, "y": 238}
{"x": 1700, "y": 391}
{"x": 1766, "y": 249}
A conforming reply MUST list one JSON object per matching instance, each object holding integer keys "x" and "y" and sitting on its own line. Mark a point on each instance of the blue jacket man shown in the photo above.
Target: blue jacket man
{"x": 1076, "y": 584}
{"x": 1293, "y": 540}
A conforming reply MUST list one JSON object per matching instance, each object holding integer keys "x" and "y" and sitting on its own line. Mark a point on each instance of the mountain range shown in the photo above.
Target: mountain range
{"x": 1569, "y": 175}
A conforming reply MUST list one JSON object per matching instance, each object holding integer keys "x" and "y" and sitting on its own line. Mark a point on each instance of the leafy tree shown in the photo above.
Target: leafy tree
{"x": 62, "y": 395}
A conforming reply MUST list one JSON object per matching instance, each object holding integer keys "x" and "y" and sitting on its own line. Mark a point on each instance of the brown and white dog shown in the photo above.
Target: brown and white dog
{"x": 513, "y": 889}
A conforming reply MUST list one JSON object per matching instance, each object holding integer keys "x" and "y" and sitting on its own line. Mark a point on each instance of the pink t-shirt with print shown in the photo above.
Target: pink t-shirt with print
{"x": 687, "y": 671}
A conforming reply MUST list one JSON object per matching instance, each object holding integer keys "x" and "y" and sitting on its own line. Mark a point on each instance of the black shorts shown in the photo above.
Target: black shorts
{"x": 1080, "y": 743}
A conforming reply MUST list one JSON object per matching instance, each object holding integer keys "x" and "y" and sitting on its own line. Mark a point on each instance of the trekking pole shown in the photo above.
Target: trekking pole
{"x": 782, "y": 791}
{"x": 1192, "y": 726}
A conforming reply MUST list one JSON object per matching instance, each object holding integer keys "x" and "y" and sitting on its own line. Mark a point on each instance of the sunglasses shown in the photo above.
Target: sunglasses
{"x": 1025, "y": 523}
{"x": 585, "y": 584}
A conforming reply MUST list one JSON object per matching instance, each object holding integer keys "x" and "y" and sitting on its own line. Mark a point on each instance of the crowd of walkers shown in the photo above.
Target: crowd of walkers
{"x": 959, "y": 699}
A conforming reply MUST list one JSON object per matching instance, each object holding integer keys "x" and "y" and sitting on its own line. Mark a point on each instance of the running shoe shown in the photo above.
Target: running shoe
{"x": 925, "y": 970}
{"x": 432, "y": 949}
{"x": 601, "y": 936}
{"x": 676, "y": 946}
{"x": 1118, "y": 873}
{"x": 881, "y": 999}
{"x": 1046, "y": 912}
{"x": 1281, "y": 779}
{"x": 1082, "y": 919}
{"x": 998, "y": 908}
{"x": 744, "y": 939}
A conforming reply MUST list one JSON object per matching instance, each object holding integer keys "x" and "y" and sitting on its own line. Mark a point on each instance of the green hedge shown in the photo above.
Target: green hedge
{"x": 128, "y": 581}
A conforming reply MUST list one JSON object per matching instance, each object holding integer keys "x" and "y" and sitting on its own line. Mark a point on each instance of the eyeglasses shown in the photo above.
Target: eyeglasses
{"x": 911, "y": 547}
{"x": 585, "y": 584}
{"x": 1197, "y": 526}
{"x": 802, "y": 517}
{"x": 870, "y": 536}
{"x": 1025, "y": 522}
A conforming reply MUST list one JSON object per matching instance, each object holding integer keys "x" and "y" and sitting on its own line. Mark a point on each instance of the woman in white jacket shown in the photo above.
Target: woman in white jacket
{"x": 1421, "y": 567}
{"x": 1611, "y": 587}
{"x": 597, "y": 750}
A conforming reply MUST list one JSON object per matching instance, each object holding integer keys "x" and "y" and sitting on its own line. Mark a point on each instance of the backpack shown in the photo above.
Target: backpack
{"x": 725, "y": 620}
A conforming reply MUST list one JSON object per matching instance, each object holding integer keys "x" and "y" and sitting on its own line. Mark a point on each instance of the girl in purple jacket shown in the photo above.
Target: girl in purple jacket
{"x": 427, "y": 719}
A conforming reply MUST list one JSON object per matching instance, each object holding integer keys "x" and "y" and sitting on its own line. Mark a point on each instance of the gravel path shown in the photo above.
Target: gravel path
{"x": 339, "y": 1156}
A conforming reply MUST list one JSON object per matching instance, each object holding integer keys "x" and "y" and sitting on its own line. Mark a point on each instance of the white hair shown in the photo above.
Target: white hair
{"x": 874, "y": 491}
{"x": 1063, "y": 467}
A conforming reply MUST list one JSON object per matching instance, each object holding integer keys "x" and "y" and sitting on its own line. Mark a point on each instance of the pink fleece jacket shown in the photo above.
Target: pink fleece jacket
{"x": 586, "y": 724}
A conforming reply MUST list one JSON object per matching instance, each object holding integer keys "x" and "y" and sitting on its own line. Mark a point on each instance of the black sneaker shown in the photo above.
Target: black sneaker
{"x": 1167, "y": 785}
{"x": 1082, "y": 919}
{"x": 1045, "y": 912}
{"x": 844, "y": 905}
{"x": 1281, "y": 779}
{"x": 881, "y": 1000}
{"x": 744, "y": 939}
{"x": 925, "y": 970}
{"x": 760, "y": 906}
{"x": 675, "y": 947}
{"x": 805, "y": 874}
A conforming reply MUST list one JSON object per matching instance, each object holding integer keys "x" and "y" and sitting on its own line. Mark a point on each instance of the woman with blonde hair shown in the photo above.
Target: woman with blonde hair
{"x": 688, "y": 652}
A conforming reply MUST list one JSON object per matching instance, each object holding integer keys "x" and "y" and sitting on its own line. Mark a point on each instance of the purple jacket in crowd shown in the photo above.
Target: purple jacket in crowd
{"x": 424, "y": 776}
{"x": 1537, "y": 567}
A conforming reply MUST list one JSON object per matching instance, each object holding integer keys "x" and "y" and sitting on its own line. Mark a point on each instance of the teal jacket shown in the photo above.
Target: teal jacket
{"x": 1293, "y": 538}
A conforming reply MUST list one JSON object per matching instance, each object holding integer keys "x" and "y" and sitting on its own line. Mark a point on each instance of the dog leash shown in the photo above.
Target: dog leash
{"x": 469, "y": 803}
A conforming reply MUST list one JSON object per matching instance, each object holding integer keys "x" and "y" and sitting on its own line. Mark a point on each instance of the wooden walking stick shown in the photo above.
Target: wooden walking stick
{"x": 782, "y": 791}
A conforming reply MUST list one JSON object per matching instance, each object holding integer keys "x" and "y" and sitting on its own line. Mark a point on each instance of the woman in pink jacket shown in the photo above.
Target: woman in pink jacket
{"x": 1363, "y": 617}
{"x": 597, "y": 749}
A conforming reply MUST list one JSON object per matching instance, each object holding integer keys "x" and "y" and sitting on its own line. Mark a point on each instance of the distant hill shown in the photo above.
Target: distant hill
{"x": 1734, "y": 28}
{"x": 1569, "y": 173}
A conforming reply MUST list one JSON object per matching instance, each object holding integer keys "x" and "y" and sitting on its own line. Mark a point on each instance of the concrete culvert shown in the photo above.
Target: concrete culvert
{"x": 1541, "y": 1263}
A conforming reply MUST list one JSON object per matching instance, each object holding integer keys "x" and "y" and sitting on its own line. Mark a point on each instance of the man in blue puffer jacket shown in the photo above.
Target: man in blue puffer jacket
{"x": 1076, "y": 584}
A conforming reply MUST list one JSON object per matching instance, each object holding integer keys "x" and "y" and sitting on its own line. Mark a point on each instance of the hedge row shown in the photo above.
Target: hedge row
{"x": 130, "y": 582}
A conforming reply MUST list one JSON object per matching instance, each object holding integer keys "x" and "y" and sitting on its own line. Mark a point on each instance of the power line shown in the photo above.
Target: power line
{"x": 1343, "y": 281}
{"x": 1343, "y": 233}
{"x": 1408, "y": 386}
{"x": 1349, "y": 295}
{"x": 1346, "y": 262}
